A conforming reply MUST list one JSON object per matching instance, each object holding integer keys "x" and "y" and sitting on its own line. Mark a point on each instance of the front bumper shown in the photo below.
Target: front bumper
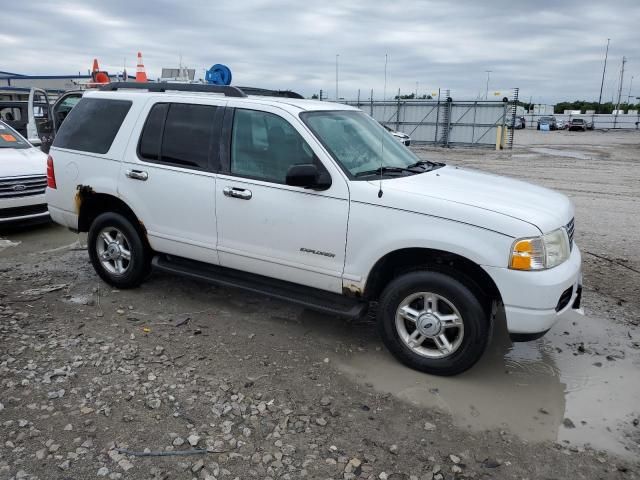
{"x": 535, "y": 301}
{"x": 32, "y": 208}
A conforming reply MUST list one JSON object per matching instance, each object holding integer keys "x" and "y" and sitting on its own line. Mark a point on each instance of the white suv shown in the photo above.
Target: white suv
{"x": 316, "y": 203}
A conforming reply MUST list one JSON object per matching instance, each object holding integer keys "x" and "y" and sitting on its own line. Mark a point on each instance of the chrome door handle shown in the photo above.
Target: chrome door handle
{"x": 241, "y": 193}
{"x": 137, "y": 175}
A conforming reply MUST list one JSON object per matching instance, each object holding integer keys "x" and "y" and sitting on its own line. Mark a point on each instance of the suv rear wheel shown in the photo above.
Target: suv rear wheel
{"x": 117, "y": 252}
{"x": 432, "y": 322}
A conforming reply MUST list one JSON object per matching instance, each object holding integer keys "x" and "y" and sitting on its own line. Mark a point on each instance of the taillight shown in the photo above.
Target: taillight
{"x": 51, "y": 174}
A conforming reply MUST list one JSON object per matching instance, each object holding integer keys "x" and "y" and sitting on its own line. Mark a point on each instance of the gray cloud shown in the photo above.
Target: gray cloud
{"x": 551, "y": 50}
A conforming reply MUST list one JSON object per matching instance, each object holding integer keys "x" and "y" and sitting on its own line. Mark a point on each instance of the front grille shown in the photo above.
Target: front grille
{"x": 570, "y": 230}
{"x": 22, "y": 211}
{"x": 564, "y": 299}
{"x": 12, "y": 187}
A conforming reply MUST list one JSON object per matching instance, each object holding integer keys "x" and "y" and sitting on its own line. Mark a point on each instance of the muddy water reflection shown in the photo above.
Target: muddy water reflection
{"x": 531, "y": 388}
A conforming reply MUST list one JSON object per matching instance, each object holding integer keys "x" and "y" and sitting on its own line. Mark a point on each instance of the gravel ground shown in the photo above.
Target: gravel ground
{"x": 179, "y": 379}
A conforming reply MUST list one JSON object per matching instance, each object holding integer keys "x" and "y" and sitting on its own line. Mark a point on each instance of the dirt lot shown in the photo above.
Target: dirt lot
{"x": 255, "y": 388}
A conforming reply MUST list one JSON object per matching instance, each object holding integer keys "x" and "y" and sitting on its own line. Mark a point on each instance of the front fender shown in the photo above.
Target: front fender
{"x": 375, "y": 231}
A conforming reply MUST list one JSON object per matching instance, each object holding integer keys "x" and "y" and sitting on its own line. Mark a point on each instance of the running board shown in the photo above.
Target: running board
{"x": 312, "y": 298}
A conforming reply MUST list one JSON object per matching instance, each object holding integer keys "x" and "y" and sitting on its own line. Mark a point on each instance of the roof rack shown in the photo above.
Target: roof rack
{"x": 227, "y": 90}
{"x": 270, "y": 93}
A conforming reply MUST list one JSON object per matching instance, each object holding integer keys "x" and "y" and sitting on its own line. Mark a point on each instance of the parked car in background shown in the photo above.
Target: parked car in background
{"x": 220, "y": 188}
{"x": 562, "y": 124}
{"x": 590, "y": 125}
{"x": 37, "y": 119}
{"x": 26, "y": 117}
{"x": 59, "y": 111}
{"x": 517, "y": 123}
{"x": 403, "y": 138}
{"x": 23, "y": 179}
{"x": 551, "y": 121}
{"x": 578, "y": 124}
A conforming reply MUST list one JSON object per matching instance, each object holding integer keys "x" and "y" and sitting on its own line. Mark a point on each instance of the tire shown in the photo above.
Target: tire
{"x": 452, "y": 298}
{"x": 124, "y": 237}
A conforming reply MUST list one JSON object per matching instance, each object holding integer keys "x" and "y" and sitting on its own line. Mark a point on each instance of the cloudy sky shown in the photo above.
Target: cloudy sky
{"x": 552, "y": 50}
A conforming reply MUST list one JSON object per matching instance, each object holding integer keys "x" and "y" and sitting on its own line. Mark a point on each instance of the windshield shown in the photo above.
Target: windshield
{"x": 9, "y": 138}
{"x": 362, "y": 146}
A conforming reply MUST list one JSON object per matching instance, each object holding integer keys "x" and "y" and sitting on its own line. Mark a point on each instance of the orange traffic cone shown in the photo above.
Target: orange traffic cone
{"x": 98, "y": 76}
{"x": 141, "y": 75}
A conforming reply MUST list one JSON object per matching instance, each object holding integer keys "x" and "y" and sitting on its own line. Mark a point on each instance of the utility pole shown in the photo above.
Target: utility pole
{"x": 337, "y": 97}
{"x": 486, "y": 95}
{"x": 624, "y": 60}
{"x": 604, "y": 69}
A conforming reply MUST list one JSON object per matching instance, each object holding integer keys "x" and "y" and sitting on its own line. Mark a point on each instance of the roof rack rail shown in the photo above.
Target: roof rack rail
{"x": 264, "y": 92}
{"x": 227, "y": 90}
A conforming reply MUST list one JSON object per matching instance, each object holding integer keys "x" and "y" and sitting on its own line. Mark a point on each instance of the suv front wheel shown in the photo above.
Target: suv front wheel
{"x": 433, "y": 322}
{"x": 117, "y": 252}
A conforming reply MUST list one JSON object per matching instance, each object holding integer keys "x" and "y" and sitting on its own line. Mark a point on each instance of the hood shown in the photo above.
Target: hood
{"x": 544, "y": 208}
{"x": 16, "y": 162}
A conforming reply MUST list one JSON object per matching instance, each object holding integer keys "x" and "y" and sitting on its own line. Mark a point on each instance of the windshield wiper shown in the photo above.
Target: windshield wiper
{"x": 382, "y": 171}
{"x": 425, "y": 163}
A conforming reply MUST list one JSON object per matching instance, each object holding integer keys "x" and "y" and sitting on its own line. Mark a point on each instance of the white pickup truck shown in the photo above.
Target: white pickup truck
{"x": 315, "y": 203}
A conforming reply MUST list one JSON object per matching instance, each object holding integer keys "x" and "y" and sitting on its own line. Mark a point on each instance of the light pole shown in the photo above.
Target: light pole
{"x": 337, "y": 97}
{"x": 604, "y": 69}
{"x": 486, "y": 95}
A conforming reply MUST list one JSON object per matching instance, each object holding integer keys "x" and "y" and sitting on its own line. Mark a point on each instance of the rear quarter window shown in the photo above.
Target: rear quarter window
{"x": 92, "y": 125}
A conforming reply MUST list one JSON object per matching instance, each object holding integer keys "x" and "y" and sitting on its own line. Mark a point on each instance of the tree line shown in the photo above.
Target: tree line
{"x": 583, "y": 106}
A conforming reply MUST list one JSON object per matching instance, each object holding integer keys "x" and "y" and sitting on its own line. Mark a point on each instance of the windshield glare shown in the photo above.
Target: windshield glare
{"x": 9, "y": 138}
{"x": 357, "y": 142}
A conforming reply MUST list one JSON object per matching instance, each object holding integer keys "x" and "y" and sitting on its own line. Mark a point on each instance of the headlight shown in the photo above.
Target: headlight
{"x": 538, "y": 253}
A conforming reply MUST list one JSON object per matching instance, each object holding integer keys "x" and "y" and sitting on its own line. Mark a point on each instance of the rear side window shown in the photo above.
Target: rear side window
{"x": 10, "y": 114}
{"x": 152, "y": 133}
{"x": 179, "y": 134}
{"x": 92, "y": 125}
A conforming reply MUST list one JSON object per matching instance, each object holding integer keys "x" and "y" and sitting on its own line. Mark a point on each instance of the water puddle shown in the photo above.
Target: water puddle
{"x": 561, "y": 153}
{"x": 580, "y": 384}
{"x": 4, "y": 243}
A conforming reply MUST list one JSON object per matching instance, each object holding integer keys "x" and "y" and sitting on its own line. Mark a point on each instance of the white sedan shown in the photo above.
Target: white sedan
{"x": 23, "y": 178}
{"x": 403, "y": 138}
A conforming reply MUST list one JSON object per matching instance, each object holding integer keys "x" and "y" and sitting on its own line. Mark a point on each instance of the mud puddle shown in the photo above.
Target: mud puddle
{"x": 580, "y": 385}
{"x": 39, "y": 239}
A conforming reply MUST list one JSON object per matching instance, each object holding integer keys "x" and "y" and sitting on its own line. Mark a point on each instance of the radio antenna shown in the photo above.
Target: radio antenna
{"x": 384, "y": 115}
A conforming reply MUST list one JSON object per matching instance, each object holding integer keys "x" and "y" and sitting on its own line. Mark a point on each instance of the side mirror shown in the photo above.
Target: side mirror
{"x": 307, "y": 175}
